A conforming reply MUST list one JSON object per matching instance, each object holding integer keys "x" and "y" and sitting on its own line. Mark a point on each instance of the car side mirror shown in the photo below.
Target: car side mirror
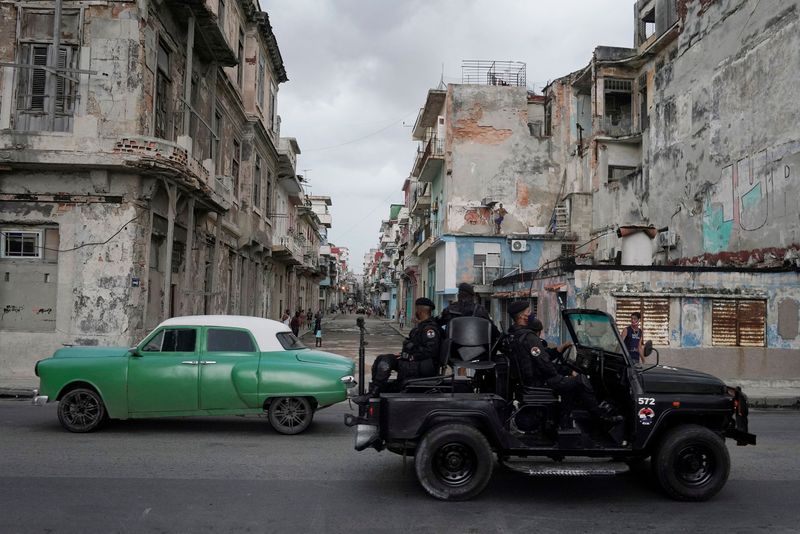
{"x": 648, "y": 348}
{"x": 135, "y": 352}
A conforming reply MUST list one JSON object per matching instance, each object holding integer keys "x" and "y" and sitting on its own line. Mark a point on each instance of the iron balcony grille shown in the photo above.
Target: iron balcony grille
{"x": 482, "y": 72}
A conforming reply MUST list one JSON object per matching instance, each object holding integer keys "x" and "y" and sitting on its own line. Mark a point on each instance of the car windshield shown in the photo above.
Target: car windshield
{"x": 596, "y": 331}
{"x": 289, "y": 341}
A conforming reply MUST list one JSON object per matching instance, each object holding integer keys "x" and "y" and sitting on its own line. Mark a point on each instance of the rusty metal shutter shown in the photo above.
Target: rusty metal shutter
{"x": 752, "y": 315}
{"x": 723, "y": 323}
{"x": 738, "y": 323}
{"x": 655, "y": 317}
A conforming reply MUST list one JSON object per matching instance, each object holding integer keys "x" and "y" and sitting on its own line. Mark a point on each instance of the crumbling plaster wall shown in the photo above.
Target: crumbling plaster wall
{"x": 490, "y": 153}
{"x": 690, "y": 296}
{"x": 97, "y": 300}
{"x": 723, "y": 149}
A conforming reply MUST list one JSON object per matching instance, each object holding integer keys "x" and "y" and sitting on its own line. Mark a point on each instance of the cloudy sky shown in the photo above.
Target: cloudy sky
{"x": 359, "y": 71}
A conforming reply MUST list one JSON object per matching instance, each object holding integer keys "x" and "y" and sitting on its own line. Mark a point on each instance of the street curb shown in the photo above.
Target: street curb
{"x": 391, "y": 325}
{"x": 16, "y": 393}
{"x": 774, "y": 403}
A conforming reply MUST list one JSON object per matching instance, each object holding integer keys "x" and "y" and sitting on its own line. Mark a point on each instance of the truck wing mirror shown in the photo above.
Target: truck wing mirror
{"x": 648, "y": 348}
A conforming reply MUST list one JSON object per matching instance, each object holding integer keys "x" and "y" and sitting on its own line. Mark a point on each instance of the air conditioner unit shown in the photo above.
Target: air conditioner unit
{"x": 519, "y": 245}
{"x": 667, "y": 239}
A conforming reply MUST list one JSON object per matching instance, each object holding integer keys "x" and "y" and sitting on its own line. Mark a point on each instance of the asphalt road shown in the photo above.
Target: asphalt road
{"x": 236, "y": 474}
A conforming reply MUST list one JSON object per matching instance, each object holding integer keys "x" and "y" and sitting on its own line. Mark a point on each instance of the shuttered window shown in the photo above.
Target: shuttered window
{"x": 738, "y": 323}
{"x": 655, "y": 317}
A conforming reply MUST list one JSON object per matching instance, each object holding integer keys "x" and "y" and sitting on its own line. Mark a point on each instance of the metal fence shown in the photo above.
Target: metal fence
{"x": 482, "y": 72}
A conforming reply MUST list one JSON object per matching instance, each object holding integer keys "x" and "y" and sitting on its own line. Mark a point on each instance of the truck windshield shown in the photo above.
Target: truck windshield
{"x": 596, "y": 331}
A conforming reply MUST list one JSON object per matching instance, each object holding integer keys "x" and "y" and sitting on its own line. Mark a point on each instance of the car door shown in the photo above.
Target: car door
{"x": 163, "y": 375}
{"x": 228, "y": 370}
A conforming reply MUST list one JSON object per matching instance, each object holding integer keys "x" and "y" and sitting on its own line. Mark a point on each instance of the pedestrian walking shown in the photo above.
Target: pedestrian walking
{"x": 309, "y": 318}
{"x": 318, "y": 332}
{"x": 402, "y": 319}
{"x": 295, "y": 324}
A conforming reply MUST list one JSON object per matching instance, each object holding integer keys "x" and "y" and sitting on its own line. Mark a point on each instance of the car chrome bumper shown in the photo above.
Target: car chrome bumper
{"x": 349, "y": 381}
{"x": 39, "y": 400}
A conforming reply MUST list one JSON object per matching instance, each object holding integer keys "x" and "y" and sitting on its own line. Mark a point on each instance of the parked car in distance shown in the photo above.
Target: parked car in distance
{"x": 196, "y": 365}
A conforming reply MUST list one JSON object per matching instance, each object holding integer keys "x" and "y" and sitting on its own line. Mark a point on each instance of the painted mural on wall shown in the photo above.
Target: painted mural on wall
{"x": 758, "y": 189}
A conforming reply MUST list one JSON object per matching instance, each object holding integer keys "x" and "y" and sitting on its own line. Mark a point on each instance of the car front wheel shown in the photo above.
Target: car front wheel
{"x": 454, "y": 462}
{"x": 692, "y": 463}
{"x": 81, "y": 410}
{"x": 290, "y": 415}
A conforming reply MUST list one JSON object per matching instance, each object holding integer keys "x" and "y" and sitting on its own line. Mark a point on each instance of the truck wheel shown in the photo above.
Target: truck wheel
{"x": 290, "y": 415}
{"x": 454, "y": 462}
{"x": 81, "y": 410}
{"x": 692, "y": 463}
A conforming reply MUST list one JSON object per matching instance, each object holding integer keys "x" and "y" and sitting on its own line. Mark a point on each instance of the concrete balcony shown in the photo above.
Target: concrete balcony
{"x": 289, "y": 250}
{"x": 210, "y": 41}
{"x": 421, "y": 205}
{"x": 618, "y": 126}
{"x": 429, "y": 160}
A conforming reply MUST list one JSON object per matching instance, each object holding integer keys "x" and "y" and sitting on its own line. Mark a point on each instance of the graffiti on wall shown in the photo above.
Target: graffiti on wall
{"x": 751, "y": 192}
{"x": 471, "y": 215}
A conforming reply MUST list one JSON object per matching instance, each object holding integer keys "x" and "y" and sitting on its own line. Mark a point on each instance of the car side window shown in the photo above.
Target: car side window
{"x": 173, "y": 340}
{"x": 218, "y": 340}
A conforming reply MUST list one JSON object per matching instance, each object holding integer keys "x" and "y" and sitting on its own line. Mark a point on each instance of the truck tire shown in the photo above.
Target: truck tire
{"x": 692, "y": 463}
{"x": 454, "y": 462}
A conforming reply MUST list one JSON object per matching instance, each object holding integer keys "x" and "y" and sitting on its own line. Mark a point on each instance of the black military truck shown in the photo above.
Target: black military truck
{"x": 456, "y": 424}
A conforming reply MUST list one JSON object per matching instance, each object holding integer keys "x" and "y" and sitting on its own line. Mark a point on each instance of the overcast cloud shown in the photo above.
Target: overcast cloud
{"x": 359, "y": 71}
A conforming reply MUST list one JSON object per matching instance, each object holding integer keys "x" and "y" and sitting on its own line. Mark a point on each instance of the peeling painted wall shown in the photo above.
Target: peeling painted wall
{"x": 490, "y": 153}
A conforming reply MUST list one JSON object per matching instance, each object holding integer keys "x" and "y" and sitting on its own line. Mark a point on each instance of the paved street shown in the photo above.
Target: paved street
{"x": 236, "y": 474}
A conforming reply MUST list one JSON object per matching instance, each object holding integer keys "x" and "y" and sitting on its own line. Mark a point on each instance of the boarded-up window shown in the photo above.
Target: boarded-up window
{"x": 655, "y": 317}
{"x": 738, "y": 323}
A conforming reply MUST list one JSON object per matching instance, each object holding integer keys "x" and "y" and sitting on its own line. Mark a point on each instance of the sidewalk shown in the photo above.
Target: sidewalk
{"x": 768, "y": 393}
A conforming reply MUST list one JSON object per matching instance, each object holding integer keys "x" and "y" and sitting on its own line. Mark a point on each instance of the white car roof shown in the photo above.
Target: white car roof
{"x": 263, "y": 330}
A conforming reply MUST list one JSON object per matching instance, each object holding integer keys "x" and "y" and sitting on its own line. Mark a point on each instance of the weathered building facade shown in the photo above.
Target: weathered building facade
{"x": 685, "y": 148}
{"x": 140, "y": 154}
{"x": 484, "y": 188}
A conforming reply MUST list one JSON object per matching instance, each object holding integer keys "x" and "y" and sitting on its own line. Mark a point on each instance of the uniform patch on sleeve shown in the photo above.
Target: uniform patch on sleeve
{"x": 430, "y": 333}
{"x": 535, "y": 351}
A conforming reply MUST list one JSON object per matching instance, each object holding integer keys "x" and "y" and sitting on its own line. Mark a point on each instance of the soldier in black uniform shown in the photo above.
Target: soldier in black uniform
{"x": 465, "y": 306}
{"x": 420, "y": 351}
{"x": 534, "y": 368}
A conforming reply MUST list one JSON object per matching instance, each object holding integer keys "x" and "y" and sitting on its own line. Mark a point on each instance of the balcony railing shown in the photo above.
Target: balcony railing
{"x": 481, "y": 72}
{"x": 485, "y": 275}
{"x": 433, "y": 147}
{"x": 618, "y": 125}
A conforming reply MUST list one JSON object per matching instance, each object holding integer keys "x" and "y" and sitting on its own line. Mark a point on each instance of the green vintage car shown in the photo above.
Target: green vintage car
{"x": 197, "y": 365}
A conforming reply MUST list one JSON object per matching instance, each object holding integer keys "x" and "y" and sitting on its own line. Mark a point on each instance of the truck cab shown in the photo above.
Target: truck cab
{"x": 455, "y": 425}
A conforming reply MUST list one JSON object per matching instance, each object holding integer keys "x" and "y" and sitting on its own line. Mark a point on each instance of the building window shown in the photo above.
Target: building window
{"x": 262, "y": 68}
{"x": 36, "y": 86}
{"x": 21, "y": 244}
{"x": 216, "y": 131}
{"x": 235, "y": 165}
{"x": 618, "y": 172}
{"x": 240, "y": 58}
{"x": 221, "y": 14}
{"x": 647, "y": 25}
{"x": 273, "y": 103}
{"x": 257, "y": 183}
{"x": 268, "y": 200}
{"x": 644, "y": 118}
{"x": 163, "y": 94}
{"x": 655, "y": 317}
{"x": 738, "y": 323}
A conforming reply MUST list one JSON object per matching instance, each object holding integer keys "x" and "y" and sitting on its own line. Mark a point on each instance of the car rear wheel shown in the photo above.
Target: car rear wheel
{"x": 692, "y": 463}
{"x": 454, "y": 462}
{"x": 290, "y": 415}
{"x": 81, "y": 410}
